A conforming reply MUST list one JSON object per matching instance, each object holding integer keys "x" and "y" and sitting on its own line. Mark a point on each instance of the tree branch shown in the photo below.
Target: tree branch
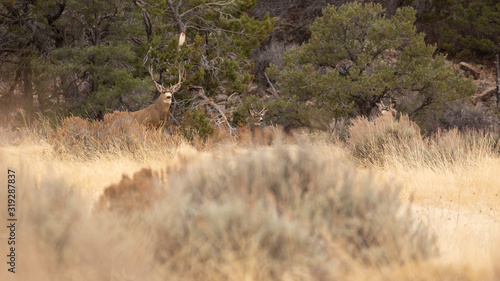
{"x": 219, "y": 4}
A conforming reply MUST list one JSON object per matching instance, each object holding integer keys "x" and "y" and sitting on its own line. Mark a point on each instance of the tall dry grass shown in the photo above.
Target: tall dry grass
{"x": 105, "y": 203}
{"x": 452, "y": 180}
{"x": 443, "y": 167}
{"x": 275, "y": 213}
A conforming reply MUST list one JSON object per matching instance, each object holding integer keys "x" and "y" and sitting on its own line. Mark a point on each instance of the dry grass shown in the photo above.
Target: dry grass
{"x": 233, "y": 212}
{"x": 452, "y": 180}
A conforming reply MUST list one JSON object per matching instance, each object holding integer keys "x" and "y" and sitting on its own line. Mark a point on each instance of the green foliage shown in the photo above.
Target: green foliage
{"x": 468, "y": 29}
{"x": 196, "y": 124}
{"x": 241, "y": 114}
{"x": 355, "y": 57}
{"x": 83, "y": 55}
{"x": 220, "y": 39}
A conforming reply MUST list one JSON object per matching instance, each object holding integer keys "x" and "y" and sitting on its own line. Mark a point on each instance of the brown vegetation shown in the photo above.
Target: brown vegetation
{"x": 131, "y": 194}
{"x": 281, "y": 212}
{"x": 117, "y": 133}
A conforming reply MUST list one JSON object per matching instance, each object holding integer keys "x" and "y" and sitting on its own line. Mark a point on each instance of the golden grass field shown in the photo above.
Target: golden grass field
{"x": 374, "y": 208}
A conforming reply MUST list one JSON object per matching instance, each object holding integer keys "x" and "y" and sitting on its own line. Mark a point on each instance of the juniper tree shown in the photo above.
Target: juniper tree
{"x": 466, "y": 29}
{"x": 220, "y": 37}
{"x": 355, "y": 57}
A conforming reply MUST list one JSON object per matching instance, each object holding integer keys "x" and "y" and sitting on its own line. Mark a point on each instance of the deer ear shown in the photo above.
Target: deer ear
{"x": 263, "y": 111}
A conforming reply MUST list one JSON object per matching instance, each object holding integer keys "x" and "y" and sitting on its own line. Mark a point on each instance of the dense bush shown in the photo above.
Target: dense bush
{"x": 355, "y": 57}
{"x": 389, "y": 141}
{"x": 274, "y": 209}
{"x": 449, "y": 147}
{"x": 196, "y": 125}
{"x": 465, "y": 117}
{"x": 298, "y": 187}
{"x": 466, "y": 29}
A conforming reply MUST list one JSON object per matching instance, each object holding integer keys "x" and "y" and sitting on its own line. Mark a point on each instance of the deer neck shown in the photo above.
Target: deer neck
{"x": 256, "y": 126}
{"x": 162, "y": 103}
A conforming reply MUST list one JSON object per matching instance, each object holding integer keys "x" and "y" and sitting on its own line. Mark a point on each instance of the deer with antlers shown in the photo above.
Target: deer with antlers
{"x": 256, "y": 118}
{"x": 387, "y": 108}
{"x": 156, "y": 114}
{"x": 260, "y": 134}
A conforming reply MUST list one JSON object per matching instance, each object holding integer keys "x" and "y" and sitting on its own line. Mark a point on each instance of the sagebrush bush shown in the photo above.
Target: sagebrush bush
{"x": 372, "y": 141}
{"x": 131, "y": 194}
{"x": 386, "y": 140}
{"x": 268, "y": 214}
{"x": 304, "y": 187}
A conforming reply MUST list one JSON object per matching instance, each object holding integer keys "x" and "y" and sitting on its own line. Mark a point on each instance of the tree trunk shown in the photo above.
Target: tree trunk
{"x": 498, "y": 81}
{"x": 28, "y": 92}
{"x": 181, "y": 27}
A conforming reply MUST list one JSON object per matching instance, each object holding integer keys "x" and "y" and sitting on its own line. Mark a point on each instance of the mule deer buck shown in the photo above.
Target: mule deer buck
{"x": 156, "y": 114}
{"x": 256, "y": 118}
{"x": 390, "y": 108}
{"x": 261, "y": 134}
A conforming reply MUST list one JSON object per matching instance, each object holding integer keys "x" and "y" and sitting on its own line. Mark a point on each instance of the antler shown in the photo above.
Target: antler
{"x": 252, "y": 111}
{"x": 182, "y": 77}
{"x": 159, "y": 87}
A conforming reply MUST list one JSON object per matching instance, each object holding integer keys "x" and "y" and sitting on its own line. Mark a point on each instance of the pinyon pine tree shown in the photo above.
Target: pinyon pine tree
{"x": 356, "y": 57}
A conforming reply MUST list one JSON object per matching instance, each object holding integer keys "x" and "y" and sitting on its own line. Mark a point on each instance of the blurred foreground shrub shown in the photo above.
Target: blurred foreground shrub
{"x": 271, "y": 214}
{"x": 295, "y": 213}
{"x": 292, "y": 206}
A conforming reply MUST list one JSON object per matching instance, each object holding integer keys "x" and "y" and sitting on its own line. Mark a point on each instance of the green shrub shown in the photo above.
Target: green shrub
{"x": 355, "y": 57}
{"x": 466, "y": 29}
{"x": 196, "y": 125}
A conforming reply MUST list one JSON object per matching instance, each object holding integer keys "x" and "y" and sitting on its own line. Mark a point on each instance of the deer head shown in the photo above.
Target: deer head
{"x": 390, "y": 108}
{"x": 260, "y": 134}
{"x": 257, "y": 116}
{"x": 166, "y": 93}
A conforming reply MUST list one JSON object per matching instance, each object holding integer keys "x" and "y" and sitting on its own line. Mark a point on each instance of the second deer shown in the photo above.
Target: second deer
{"x": 261, "y": 135}
{"x": 390, "y": 108}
